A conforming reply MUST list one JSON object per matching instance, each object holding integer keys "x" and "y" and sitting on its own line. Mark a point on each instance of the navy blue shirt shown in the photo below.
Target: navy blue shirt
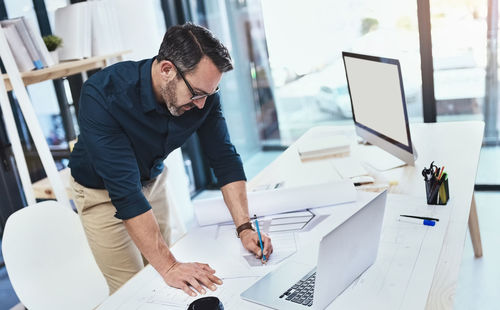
{"x": 125, "y": 134}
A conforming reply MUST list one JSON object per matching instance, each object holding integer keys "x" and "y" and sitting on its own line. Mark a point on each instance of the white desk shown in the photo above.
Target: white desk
{"x": 455, "y": 145}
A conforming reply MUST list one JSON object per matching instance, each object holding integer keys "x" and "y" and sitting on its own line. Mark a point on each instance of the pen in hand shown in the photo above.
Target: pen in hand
{"x": 260, "y": 237}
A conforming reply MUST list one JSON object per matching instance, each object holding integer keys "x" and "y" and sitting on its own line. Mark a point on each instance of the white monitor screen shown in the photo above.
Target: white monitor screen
{"x": 377, "y": 97}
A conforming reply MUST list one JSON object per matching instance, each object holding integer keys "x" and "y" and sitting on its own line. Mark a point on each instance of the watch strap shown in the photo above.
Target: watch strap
{"x": 243, "y": 227}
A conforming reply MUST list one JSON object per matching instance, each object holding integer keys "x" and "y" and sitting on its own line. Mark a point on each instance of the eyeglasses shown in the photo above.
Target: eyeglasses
{"x": 195, "y": 95}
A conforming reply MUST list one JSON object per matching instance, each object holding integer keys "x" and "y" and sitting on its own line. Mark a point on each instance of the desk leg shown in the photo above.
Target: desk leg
{"x": 474, "y": 229}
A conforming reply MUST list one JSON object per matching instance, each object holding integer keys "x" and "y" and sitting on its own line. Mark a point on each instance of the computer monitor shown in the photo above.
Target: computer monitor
{"x": 378, "y": 103}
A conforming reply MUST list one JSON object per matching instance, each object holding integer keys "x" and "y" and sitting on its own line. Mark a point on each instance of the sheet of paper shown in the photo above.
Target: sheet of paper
{"x": 291, "y": 220}
{"x": 222, "y": 250}
{"x": 284, "y": 199}
{"x": 286, "y": 227}
{"x": 231, "y": 260}
{"x": 287, "y": 222}
{"x": 349, "y": 167}
{"x": 380, "y": 159}
{"x": 284, "y": 245}
{"x": 290, "y": 214}
{"x": 149, "y": 291}
{"x": 283, "y": 222}
{"x": 168, "y": 296}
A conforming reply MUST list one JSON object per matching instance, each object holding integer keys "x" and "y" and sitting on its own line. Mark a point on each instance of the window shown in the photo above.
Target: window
{"x": 459, "y": 58}
{"x": 293, "y": 59}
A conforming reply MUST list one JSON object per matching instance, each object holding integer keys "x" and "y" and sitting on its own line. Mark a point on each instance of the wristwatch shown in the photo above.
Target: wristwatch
{"x": 243, "y": 227}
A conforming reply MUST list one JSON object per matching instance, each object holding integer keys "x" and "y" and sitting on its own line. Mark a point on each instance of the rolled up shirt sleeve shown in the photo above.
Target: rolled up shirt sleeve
{"x": 216, "y": 143}
{"x": 111, "y": 154}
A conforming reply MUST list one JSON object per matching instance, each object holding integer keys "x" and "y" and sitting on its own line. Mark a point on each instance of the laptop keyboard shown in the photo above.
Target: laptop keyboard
{"x": 302, "y": 292}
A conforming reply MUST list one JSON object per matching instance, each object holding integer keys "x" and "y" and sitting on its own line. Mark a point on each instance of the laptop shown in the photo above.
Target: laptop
{"x": 302, "y": 282}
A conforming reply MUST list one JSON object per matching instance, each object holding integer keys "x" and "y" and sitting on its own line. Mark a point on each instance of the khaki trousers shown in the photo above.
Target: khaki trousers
{"x": 115, "y": 253}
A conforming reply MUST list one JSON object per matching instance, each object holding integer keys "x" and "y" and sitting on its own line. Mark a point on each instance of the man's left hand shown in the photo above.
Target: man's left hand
{"x": 250, "y": 240}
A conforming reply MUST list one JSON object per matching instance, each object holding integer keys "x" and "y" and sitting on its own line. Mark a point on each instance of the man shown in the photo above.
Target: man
{"x": 132, "y": 115}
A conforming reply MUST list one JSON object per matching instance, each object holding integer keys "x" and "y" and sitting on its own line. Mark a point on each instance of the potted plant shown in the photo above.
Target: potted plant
{"x": 53, "y": 42}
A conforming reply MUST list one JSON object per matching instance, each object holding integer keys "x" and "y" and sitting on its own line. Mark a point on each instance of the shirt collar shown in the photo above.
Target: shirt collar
{"x": 147, "y": 95}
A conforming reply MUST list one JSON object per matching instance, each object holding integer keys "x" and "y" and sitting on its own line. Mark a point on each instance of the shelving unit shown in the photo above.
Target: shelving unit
{"x": 42, "y": 188}
{"x": 64, "y": 69}
{"x": 16, "y": 81}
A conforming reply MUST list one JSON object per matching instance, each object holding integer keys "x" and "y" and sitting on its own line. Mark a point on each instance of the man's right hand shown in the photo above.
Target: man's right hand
{"x": 191, "y": 275}
{"x": 145, "y": 232}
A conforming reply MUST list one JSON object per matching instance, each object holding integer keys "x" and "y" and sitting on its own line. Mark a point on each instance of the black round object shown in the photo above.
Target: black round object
{"x": 206, "y": 303}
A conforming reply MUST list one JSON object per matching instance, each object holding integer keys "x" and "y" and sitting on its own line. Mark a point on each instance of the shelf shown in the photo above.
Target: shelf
{"x": 63, "y": 69}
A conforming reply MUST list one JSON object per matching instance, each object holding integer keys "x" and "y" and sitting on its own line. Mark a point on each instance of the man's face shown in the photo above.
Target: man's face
{"x": 203, "y": 80}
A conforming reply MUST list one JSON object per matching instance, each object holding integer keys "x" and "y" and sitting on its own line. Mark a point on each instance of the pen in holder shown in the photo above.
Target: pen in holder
{"x": 436, "y": 185}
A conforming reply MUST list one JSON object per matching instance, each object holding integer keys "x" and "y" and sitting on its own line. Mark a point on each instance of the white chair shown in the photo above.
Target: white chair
{"x": 49, "y": 261}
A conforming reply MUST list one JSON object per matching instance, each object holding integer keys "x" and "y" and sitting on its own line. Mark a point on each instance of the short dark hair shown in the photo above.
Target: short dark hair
{"x": 186, "y": 44}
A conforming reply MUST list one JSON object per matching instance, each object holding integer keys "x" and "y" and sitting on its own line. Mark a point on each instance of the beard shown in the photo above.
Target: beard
{"x": 170, "y": 98}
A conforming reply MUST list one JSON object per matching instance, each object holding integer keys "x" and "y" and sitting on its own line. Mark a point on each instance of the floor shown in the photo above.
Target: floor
{"x": 488, "y": 171}
{"x": 479, "y": 278}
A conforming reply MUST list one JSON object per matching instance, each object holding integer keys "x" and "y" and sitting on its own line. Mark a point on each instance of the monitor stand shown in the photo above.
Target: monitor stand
{"x": 380, "y": 159}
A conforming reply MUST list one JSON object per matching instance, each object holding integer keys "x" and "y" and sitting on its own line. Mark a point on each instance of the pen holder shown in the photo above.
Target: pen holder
{"x": 437, "y": 191}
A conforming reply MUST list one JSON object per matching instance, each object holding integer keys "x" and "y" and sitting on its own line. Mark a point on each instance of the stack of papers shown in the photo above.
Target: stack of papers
{"x": 323, "y": 147}
{"x": 349, "y": 167}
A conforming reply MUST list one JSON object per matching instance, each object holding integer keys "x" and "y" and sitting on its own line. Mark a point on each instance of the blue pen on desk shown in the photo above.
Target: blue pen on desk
{"x": 260, "y": 237}
{"x": 425, "y": 222}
